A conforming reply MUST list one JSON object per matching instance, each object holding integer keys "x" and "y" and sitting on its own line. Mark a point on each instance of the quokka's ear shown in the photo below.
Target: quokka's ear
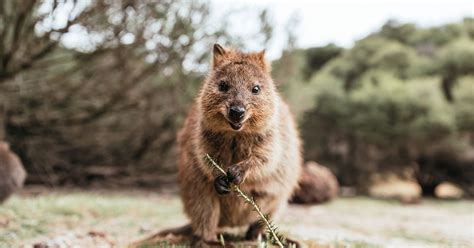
{"x": 260, "y": 57}
{"x": 219, "y": 50}
{"x": 219, "y": 53}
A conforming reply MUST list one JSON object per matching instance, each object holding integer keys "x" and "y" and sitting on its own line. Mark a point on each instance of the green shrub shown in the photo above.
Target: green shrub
{"x": 464, "y": 104}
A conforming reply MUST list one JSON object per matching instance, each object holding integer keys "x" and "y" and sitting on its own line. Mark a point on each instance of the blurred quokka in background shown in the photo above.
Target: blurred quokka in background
{"x": 12, "y": 173}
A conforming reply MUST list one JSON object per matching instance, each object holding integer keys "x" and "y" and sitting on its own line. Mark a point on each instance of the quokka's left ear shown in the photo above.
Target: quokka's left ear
{"x": 261, "y": 55}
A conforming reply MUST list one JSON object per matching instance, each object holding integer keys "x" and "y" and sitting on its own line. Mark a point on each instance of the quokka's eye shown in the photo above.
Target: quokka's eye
{"x": 256, "y": 90}
{"x": 223, "y": 86}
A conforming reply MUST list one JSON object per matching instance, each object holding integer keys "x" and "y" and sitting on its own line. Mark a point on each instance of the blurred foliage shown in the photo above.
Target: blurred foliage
{"x": 317, "y": 57}
{"x": 400, "y": 100}
{"x": 109, "y": 105}
{"x": 464, "y": 105}
{"x": 97, "y": 91}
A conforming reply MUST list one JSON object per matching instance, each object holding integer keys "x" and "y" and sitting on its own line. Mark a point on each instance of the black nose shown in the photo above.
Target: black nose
{"x": 236, "y": 113}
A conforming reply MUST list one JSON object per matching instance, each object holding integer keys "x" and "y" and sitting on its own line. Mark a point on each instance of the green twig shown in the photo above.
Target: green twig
{"x": 271, "y": 228}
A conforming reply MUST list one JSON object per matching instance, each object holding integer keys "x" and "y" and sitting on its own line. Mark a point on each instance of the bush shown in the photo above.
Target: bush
{"x": 399, "y": 101}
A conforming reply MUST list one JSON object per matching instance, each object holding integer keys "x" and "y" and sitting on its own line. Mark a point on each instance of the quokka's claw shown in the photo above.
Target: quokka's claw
{"x": 222, "y": 185}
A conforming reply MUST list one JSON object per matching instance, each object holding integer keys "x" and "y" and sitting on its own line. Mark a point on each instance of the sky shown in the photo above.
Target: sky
{"x": 343, "y": 22}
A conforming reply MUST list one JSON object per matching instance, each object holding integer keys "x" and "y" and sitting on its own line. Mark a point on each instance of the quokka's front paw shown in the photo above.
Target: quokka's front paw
{"x": 222, "y": 185}
{"x": 236, "y": 174}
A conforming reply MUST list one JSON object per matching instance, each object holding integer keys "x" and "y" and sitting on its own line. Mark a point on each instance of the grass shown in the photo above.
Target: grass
{"x": 124, "y": 217}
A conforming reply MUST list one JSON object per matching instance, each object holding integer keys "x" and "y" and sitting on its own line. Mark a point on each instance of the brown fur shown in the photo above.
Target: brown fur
{"x": 12, "y": 173}
{"x": 266, "y": 149}
{"x": 316, "y": 185}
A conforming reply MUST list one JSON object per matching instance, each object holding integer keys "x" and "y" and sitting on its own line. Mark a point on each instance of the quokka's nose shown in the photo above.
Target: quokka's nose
{"x": 236, "y": 113}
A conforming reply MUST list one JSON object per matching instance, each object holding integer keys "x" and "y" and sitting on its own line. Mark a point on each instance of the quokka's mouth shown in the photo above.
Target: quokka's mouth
{"x": 236, "y": 126}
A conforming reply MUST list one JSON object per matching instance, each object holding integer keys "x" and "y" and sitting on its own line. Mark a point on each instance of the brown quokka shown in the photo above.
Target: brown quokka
{"x": 12, "y": 173}
{"x": 241, "y": 121}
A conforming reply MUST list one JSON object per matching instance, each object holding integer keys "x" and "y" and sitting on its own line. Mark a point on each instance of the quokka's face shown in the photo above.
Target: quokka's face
{"x": 239, "y": 93}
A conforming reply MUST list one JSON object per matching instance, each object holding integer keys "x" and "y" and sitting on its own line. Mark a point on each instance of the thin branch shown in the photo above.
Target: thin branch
{"x": 271, "y": 228}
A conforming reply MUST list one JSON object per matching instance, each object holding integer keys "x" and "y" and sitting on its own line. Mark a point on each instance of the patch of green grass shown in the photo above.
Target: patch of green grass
{"x": 458, "y": 206}
{"x": 356, "y": 244}
{"x": 27, "y": 218}
{"x": 419, "y": 237}
{"x": 163, "y": 244}
{"x": 126, "y": 217}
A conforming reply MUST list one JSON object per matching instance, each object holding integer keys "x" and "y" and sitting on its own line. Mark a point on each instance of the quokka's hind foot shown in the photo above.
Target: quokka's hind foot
{"x": 254, "y": 230}
{"x": 257, "y": 229}
{"x": 291, "y": 243}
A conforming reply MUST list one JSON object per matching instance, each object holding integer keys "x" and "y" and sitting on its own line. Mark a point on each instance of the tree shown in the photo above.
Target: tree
{"x": 102, "y": 91}
{"x": 317, "y": 57}
{"x": 377, "y": 107}
{"x": 453, "y": 61}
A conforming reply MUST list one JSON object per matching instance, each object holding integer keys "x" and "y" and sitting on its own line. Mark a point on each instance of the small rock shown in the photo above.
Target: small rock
{"x": 396, "y": 189}
{"x": 448, "y": 191}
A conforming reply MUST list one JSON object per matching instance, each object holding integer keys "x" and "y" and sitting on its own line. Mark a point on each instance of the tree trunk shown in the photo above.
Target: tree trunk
{"x": 447, "y": 86}
{"x": 428, "y": 189}
{"x": 3, "y": 117}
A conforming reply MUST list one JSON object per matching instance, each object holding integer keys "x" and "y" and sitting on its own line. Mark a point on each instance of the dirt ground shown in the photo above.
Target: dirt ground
{"x": 105, "y": 218}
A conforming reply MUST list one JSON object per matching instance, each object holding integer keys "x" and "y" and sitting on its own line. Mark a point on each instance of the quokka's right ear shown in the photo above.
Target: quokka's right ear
{"x": 219, "y": 53}
{"x": 219, "y": 50}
